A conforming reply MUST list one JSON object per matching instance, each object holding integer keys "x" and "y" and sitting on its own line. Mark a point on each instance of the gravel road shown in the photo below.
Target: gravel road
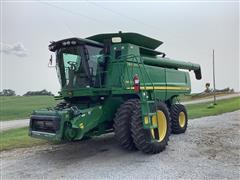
{"x": 210, "y": 149}
{"x": 13, "y": 124}
{"x": 203, "y": 100}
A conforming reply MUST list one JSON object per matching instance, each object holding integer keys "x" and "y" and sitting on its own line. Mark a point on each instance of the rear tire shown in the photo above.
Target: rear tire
{"x": 179, "y": 118}
{"x": 143, "y": 137}
{"x": 122, "y": 124}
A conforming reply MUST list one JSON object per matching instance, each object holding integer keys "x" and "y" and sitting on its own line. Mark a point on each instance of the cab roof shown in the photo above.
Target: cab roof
{"x": 132, "y": 38}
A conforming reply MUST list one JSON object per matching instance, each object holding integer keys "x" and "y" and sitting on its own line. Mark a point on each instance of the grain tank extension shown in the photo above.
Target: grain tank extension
{"x": 116, "y": 83}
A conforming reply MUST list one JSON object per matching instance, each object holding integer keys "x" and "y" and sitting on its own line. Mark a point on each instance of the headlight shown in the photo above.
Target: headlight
{"x": 64, "y": 43}
{"x": 73, "y": 42}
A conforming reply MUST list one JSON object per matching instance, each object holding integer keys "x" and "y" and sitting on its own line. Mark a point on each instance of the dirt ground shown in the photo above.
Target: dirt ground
{"x": 210, "y": 149}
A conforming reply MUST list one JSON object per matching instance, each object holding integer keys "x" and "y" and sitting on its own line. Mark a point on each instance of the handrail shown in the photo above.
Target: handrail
{"x": 141, "y": 68}
{"x": 135, "y": 58}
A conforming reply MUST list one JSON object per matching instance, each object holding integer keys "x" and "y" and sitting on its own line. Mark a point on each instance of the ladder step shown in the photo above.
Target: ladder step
{"x": 149, "y": 114}
{"x": 149, "y": 102}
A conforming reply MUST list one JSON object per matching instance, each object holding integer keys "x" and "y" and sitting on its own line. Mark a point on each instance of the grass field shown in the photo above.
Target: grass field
{"x": 20, "y": 107}
{"x": 201, "y": 110}
{"x": 17, "y": 138}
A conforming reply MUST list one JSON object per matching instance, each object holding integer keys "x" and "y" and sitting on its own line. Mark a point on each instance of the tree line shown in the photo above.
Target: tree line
{"x": 10, "y": 92}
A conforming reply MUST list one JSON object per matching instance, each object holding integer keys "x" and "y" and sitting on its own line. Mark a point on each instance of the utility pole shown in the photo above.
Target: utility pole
{"x": 214, "y": 88}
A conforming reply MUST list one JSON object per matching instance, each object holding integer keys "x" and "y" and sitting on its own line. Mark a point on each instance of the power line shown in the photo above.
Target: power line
{"x": 75, "y": 13}
{"x": 145, "y": 25}
{"x": 66, "y": 26}
{"x": 100, "y": 21}
{"x": 121, "y": 14}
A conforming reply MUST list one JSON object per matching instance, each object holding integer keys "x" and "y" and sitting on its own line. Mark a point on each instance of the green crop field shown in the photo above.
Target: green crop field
{"x": 20, "y": 107}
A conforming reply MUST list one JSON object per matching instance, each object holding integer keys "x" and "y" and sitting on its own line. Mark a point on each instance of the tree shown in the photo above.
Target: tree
{"x": 43, "y": 92}
{"x": 7, "y": 92}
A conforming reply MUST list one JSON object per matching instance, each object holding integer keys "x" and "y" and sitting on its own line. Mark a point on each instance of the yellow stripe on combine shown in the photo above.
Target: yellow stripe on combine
{"x": 162, "y": 88}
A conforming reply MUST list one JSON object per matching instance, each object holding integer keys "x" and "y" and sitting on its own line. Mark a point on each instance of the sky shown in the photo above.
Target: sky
{"x": 190, "y": 31}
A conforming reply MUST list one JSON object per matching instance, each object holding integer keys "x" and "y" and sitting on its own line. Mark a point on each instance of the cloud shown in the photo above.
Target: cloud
{"x": 16, "y": 49}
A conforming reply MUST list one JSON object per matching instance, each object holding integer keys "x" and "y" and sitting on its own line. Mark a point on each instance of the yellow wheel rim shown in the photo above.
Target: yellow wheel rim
{"x": 182, "y": 119}
{"x": 159, "y": 120}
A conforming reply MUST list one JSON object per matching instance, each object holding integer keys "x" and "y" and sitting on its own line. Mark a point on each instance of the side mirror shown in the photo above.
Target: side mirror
{"x": 52, "y": 62}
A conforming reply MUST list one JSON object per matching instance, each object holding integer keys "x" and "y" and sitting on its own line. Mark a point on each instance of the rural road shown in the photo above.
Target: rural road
{"x": 211, "y": 99}
{"x": 210, "y": 149}
{"x": 6, "y": 125}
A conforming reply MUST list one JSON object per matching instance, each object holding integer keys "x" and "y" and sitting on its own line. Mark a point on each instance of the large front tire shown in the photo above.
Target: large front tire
{"x": 151, "y": 141}
{"x": 179, "y": 118}
{"x": 122, "y": 124}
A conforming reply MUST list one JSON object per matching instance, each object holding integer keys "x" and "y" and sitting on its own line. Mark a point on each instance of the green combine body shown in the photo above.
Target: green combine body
{"x": 116, "y": 82}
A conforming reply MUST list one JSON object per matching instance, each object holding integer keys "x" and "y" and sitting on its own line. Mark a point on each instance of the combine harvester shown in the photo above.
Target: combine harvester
{"x": 116, "y": 82}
